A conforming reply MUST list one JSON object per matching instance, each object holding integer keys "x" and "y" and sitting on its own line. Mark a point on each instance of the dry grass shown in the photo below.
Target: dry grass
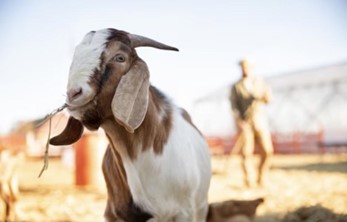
{"x": 295, "y": 181}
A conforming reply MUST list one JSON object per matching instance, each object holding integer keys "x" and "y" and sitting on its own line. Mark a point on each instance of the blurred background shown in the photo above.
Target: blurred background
{"x": 298, "y": 47}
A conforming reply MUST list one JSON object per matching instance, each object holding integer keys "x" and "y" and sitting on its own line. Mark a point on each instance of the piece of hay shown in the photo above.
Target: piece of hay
{"x": 49, "y": 118}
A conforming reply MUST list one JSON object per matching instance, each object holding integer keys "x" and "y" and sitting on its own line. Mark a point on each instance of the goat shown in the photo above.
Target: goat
{"x": 157, "y": 165}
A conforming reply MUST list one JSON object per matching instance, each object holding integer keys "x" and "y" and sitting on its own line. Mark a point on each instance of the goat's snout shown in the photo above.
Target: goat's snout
{"x": 79, "y": 95}
{"x": 74, "y": 93}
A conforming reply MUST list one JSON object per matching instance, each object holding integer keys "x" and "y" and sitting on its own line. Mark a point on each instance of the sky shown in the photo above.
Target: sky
{"x": 38, "y": 40}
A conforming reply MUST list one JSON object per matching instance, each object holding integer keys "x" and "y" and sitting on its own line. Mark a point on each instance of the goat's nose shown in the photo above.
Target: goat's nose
{"x": 74, "y": 93}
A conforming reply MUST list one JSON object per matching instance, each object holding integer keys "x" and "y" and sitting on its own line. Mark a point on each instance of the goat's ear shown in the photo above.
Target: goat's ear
{"x": 72, "y": 132}
{"x": 130, "y": 102}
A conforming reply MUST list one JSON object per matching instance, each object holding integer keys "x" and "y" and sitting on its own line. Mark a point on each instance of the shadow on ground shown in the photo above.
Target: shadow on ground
{"x": 338, "y": 167}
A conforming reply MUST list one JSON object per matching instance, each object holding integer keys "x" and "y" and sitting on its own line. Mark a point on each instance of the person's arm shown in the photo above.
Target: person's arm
{"x": 235, "y": 107}
{"x": 265, "y": 94}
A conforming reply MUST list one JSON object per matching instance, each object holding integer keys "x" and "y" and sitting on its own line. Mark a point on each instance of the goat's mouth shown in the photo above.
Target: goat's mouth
{"x": 87, "y": 115}
{"x": 77, "y": 111}
{"x": 77, "y": 104}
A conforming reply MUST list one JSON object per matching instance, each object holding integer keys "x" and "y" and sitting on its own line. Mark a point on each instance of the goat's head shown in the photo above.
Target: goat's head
{"x": 107, "y": 80}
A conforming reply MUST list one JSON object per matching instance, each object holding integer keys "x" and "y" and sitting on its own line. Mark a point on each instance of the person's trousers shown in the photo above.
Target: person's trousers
{"x": 249, "y": 136}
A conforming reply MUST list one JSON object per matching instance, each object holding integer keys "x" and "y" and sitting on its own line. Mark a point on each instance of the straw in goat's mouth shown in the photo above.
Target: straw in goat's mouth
{"x": 48, "y": 117}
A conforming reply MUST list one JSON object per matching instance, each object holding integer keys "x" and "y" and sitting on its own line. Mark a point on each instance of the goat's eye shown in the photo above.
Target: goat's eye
{"x": 119, "y": 58}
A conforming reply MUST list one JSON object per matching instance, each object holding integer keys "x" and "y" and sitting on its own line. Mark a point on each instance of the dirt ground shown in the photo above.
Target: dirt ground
{"x": 294, "y": 181}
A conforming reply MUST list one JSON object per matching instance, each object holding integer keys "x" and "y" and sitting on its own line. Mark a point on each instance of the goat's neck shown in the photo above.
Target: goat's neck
{"x": 120, "y": 139}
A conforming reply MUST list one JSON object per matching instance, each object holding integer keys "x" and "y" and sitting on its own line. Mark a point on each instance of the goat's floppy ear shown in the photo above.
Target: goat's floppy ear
{"x": 130, "y": 102}
{"x": 72, "y": 132}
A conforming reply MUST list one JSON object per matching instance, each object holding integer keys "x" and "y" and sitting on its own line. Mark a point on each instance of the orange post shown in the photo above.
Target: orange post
{"x": 86, "y": 160}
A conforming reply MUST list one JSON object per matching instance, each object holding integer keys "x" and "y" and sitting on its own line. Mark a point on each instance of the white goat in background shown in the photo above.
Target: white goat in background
{"x": 157, "y": 166}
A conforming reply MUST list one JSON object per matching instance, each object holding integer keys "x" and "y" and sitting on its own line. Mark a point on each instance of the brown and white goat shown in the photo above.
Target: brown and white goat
{"x": 157, "y": 166}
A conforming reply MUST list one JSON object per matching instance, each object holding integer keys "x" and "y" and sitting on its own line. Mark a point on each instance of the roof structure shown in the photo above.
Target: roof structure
{"x": 310, "y": 78}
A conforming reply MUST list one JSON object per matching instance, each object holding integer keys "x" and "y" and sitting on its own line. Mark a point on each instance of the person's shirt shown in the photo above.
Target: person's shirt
{"x": 247, "y": 96}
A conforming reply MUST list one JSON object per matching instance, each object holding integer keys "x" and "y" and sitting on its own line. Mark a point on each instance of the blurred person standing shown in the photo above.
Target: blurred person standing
{"x": 247, "y": 96}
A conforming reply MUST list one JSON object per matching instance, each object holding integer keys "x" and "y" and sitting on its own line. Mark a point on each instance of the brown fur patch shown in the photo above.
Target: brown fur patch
{"x": 115, "y": 177}
{"x": 115, "y": 45}
{"x": 187, "y": 117}
{"x": 119, "y": 204}
{"x": 159, "y": 121}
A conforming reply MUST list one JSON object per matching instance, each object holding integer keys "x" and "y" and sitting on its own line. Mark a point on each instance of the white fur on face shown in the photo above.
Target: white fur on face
{"x": 86, "y": 59}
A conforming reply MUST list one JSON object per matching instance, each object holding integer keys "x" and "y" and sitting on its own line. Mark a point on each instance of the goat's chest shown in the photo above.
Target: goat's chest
{"x": 167, "y": 183}
{"x": 158, "y": 185}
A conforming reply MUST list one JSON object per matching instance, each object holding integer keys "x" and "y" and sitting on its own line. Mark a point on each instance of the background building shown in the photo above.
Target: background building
{"x": 308, "y": 111}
